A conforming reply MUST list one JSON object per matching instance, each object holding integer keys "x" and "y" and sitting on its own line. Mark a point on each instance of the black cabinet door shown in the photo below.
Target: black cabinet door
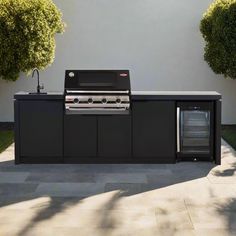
{"x": 80, "y": 136}
{"x": 154, "y": 130}
{"x": 114, "y": 136}
{"x": 41, "y": 132}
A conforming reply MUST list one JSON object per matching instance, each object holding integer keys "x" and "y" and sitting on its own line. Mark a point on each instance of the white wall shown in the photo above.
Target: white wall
{"x": 158, "y": 40}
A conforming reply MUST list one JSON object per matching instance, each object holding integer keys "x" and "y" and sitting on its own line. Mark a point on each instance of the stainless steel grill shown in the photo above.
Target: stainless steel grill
{"x": 97, "y": 92}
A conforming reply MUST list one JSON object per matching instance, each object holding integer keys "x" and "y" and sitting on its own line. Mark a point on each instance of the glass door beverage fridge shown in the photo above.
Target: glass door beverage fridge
{"x": 195, "y": 131}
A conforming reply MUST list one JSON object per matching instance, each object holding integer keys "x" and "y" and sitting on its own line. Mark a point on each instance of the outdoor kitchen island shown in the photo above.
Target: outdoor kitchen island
{"x": 161, "y": 127}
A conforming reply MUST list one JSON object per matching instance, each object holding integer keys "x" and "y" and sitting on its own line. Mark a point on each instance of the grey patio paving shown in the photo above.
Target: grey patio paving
{"x": 105, "y": 200}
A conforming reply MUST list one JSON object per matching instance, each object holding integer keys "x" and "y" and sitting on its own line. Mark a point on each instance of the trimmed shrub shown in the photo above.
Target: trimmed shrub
{"x": 218, "y": 28}
{"x": 27, "y": 35}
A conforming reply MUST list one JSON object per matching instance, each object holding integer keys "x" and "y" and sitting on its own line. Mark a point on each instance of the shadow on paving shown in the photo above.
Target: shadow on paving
{"x": 48, "y": 209}
{"x": 227, "y": 172}
{"x": 45, "y": 211}
{"x": 158, "y": 176}
{"x": 228, "y": 210}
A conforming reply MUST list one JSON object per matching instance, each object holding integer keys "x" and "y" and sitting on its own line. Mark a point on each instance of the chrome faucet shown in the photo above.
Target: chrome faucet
{"x": 39, "y": 87}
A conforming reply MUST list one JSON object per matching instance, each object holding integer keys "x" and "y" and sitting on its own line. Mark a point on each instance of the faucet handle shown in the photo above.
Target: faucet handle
{"x": 42, "y": 86}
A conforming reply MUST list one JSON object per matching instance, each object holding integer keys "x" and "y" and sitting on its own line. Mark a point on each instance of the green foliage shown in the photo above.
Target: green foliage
{"x": 229, "y": 135}
{"x": 6, "y": 139}
{"x": 27, "y": 35}
{"x": 218, "y": 28}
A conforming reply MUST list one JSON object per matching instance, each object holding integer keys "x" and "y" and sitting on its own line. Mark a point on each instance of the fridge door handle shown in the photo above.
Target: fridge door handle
{"x": 178, "y": 128}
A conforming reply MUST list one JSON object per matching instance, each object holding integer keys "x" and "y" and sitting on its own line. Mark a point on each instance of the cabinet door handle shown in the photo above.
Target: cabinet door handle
{"x": 178, "y": 128}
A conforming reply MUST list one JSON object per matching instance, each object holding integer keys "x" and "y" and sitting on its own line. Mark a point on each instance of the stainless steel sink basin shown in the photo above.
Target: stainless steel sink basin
{"x": 35, "y": 93}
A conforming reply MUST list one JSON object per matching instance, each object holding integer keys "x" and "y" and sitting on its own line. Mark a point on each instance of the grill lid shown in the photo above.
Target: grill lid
{"x": 97, "y": 80}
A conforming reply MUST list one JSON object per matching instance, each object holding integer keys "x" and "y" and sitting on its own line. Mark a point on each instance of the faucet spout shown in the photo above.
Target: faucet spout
{"x": 38, "y": 86}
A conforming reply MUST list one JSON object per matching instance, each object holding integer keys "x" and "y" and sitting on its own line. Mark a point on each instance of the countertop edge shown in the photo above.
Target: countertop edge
{"x": 135, "y": 95}
{"x": 176, "y": 97}
{"x": 47, "y": 96}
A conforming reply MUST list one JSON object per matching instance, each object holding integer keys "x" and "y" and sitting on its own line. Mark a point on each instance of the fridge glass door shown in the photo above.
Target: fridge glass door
{"x": 195, "y": 131}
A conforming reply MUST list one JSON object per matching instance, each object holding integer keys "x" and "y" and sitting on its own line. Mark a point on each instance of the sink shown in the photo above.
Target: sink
{"x": 35, "y": 93}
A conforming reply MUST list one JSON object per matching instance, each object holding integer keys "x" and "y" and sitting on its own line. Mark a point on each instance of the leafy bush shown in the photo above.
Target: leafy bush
{"x": 27, "y": 35}
{"x": 6, "y": 139}
{"x": 218, "y": 28}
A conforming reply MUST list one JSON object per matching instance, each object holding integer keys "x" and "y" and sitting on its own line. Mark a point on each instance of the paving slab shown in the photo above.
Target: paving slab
{"x": 208, "y": 218}
{"x": 69, "y": 189}
{"x": 224, "y": 174}
{"x": 94, "y": 168}
{"x": 215, "y": 232}
{"x": 16, "y": 177}
{"x": 39, "y": 202}
{"x": 40, "y": 168}
{"x": 217, "y": 213}
{"x": 86, "y": 231}
{"x": 172, "y": 215}
{"x": 17, "y": 189}
{"x": 222, "y": 190}
{"x": 125, "y": 189}
{"x": 222, "y": 179}
{"x": 83, "y": 218}
{"x": 162, "y": 180}
{"x": 121, "y": 178}
{"x": 187, "y": 198}
{"x": 228, "y": 204}
{"x": 139, "y": 168}
{"x": 228, "y": 154}
{"x": 60, "y": 178}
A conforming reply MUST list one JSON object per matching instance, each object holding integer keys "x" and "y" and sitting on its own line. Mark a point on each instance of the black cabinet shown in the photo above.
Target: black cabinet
{"x": 150, "y": 134}
{"x": 80, "y": 136}
{"x": 97, "y": 136}
{"x": 40, "y": 128}
{"x": 114, "y": 136}
{"x": 154, "y": 130}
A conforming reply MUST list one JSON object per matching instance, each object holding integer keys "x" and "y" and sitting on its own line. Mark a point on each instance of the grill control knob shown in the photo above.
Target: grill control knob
{"x": 90, "y": 100}
{"x": 76, "y": 100}
{"x": 104, "y": 100}
{"x": 118, "y": 100}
